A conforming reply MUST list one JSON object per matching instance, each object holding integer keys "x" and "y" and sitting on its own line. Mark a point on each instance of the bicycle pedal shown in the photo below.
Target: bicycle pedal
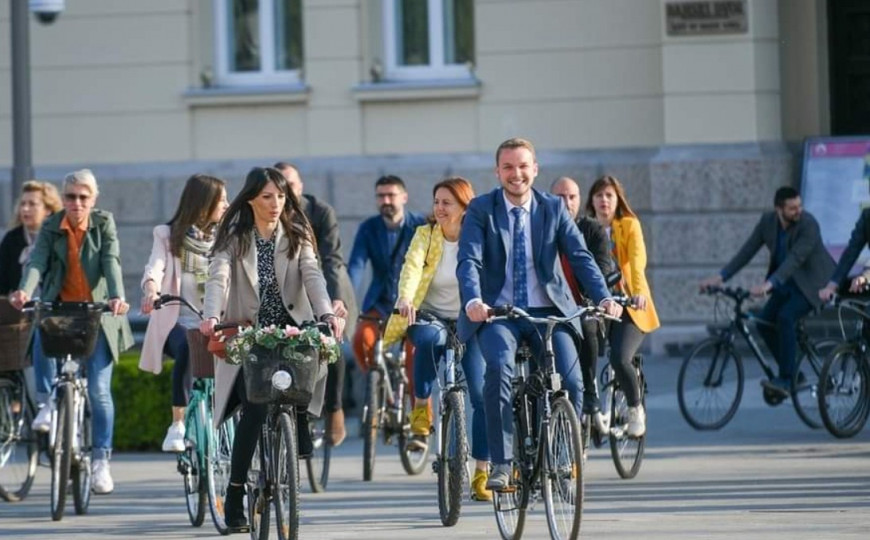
{"x": 506, "y": 489}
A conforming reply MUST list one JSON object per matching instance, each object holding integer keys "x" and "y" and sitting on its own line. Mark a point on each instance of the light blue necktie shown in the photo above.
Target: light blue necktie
{"x": 521, "y": 289}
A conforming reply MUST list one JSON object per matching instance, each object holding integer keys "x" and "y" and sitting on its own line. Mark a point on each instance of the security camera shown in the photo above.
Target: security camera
{"x": 46, "y": 11}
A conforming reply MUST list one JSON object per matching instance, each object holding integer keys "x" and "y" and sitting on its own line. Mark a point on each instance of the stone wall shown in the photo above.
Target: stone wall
{"x": 697, "y": 205}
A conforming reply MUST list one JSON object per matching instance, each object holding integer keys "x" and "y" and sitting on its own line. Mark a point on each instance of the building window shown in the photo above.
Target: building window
{"x": 428, "y": 39}
{"x": 259, "y": 42}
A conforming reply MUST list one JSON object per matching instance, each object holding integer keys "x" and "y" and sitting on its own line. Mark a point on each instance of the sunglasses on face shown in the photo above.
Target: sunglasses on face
{"x": 72, "y": 197}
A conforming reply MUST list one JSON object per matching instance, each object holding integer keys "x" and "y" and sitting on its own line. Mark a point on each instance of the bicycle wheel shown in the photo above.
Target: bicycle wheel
{"x": 562, "y": 473}
{"x": 318, "y": 463}
{"x": 413, "y": 460}
{"x": 18, "y": 447}
{"x": 258, "y": 504}
{"x": 218, "y": 462}
{"x": 193, "y": 475}
{"x": 371, "y": 421}
{"x": 287, "y": 479}
{"x": 452, "y": 460}
{"x": 844, "y": 396}
{"x": 510, "y": 506}
{"x": 710, "y": 385}
{"x": 62, "y": 451}
{"x": 627, "y": 452}
{"x": 805, "y": 385}
{"x": 83, "y": 454}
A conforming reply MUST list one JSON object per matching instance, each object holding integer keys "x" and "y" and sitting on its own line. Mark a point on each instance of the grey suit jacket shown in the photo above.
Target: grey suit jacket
{"x": 807, "y": 261}
{"x": 233, "y": 284}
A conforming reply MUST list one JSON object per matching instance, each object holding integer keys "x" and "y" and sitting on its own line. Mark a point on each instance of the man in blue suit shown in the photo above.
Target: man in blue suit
{"x": 509, "y": 254}
{"x": 382, "y": 240}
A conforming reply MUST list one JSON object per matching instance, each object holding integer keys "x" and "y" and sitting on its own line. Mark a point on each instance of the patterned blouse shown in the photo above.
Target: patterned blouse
{"x": 272, "y": 310}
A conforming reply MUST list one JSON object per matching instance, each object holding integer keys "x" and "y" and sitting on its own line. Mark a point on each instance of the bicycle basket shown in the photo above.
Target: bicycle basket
{"x": 303, "y": 364}
{"x": 201, "y": 359}
{"x": 69, "y": 328}
{"x": 13, "y": 346}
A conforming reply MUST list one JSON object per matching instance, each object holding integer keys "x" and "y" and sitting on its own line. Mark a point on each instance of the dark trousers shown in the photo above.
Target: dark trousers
{"x": 176, "y": 348}
{"x": 334, "y": 386}
{"x": 589, "y": 355}
{"x": 625, "y": 339}
{"x": 247, "y": 430}
{"x": 787, "y": 306}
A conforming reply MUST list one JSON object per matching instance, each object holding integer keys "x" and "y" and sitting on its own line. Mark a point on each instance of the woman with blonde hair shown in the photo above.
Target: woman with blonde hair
{"x": 608, "y": 204}
{"x": 428, "y": 281}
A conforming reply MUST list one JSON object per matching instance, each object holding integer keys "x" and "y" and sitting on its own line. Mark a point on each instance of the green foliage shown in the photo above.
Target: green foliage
{"x": 142, "y": 404}
{"x": 295, "y": 342}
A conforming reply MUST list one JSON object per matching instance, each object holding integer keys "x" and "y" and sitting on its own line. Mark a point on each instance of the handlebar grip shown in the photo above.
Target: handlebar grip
{"x": 500, "y": 311}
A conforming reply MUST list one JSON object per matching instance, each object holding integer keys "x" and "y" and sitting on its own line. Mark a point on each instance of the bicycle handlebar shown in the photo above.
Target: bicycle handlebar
{"x": 508, "y": 311}
{"x": 39, "y": 305}
{"x": 738, "y": 294}
{"x": 165, "y": 299}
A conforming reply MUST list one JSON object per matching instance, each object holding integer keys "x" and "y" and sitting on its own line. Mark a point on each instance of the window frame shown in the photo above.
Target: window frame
{"x": 267, "y": 74}
{"x": 436, "y": 69}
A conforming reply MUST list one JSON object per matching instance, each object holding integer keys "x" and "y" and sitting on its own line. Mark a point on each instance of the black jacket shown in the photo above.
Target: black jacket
{"x": 860, "y": 237}
{"x": 10, "y": 269}
{"x": 596, "y": 242}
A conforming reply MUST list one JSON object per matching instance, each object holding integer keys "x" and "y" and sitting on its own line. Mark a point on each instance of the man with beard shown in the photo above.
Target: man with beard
{"x": 799, "y": 266}
{"x": 509, "y": 251}
{"x": 382, "y": 240}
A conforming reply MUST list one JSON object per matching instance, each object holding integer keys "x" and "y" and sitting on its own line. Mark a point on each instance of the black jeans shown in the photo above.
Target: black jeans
{"x": 787, "y": 306}
{"x": 247, "y": 431}
{"x": 588, "y": 347}
{"x": 625, "y": 339}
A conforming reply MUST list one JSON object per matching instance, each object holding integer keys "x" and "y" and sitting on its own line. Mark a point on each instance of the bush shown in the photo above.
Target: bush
{"x": 142, "y": 404}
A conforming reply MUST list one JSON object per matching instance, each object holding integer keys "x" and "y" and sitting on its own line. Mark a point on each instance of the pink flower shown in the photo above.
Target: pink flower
{"x": 291, "y": 331}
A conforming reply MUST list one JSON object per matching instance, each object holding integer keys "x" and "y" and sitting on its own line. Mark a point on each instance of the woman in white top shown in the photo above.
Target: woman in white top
{"x": 179, "y": 266}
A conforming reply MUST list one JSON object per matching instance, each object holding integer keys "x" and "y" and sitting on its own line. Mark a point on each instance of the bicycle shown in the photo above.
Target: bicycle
{"x": 273, "y": 476}
{"x": 19, "y": 450}
{"x": 451, "y": 461}
{"x": 626, "y": 452}
{"x": 204, "y": 464}
{"x": 387, "y": 408}
{"x": 844, "y": 396}
{"x": 711, "y": 379}
{"x": 548, "y": 453}
{"x": 69, "y": 331}
{"x": 317, "y": 464}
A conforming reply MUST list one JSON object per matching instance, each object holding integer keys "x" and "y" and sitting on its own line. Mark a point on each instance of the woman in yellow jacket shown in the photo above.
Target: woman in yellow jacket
{"x": 428, "y": 281}
{"x": 608, "y": 204}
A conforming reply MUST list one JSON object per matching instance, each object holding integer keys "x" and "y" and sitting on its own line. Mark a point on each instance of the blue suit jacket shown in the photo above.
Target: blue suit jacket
{"x": 371, "y": 244}
{"x": 483, "y": 251}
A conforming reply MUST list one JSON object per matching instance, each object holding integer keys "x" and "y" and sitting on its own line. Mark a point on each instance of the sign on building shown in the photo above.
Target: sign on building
{"x": 693, "y": 18}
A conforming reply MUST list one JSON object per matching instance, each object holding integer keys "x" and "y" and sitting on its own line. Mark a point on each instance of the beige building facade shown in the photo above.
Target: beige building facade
{"x": 695, "y": 105}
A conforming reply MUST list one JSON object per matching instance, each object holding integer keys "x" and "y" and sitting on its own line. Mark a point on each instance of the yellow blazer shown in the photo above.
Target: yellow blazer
{"x": 631, "y": 254}
{"x": 421, "y": 259}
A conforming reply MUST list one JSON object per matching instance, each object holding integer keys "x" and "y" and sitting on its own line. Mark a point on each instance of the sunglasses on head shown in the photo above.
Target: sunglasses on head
{"x": 72, "y": 197}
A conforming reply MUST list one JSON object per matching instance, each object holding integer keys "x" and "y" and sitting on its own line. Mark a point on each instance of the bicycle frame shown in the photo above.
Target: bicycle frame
{"x": 71, "y": 379}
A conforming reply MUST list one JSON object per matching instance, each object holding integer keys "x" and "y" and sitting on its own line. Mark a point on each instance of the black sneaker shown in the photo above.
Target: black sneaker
{"x": 591, "y": 404}
{"x": 234, "y": 509}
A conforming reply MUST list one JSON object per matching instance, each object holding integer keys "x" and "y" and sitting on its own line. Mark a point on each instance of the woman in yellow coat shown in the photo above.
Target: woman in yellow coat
{"x": 608, "y": 204}
{"x": 428, "y": 281}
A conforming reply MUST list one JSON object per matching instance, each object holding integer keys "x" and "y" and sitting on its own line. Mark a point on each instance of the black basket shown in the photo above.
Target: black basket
{"x": 14, "y": 339}
{"x": 69, "y": 328}
{"x": 262, "y": 363}
{"x": 201, "y": 360}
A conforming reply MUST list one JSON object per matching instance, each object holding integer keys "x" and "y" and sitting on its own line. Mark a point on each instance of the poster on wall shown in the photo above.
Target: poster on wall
{"x": 835, "y": 187}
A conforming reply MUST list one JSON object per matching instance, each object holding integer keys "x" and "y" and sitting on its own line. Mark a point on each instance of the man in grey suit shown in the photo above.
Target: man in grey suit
{"x": 326, "y": 231}
{"x": 799, "y": 266}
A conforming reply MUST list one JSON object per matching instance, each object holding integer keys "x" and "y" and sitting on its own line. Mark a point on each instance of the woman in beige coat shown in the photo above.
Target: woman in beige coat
{"x": 179, "y": 266}
{"x": 265, "y": 271}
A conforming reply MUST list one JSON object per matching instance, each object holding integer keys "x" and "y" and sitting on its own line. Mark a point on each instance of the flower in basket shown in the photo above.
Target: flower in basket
{"x": 295, "y": 343}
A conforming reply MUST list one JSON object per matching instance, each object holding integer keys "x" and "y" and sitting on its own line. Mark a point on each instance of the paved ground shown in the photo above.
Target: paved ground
{"x": 764, "y": 476}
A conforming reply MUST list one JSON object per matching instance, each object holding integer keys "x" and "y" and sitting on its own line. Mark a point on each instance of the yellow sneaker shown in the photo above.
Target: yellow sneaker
{"x": 478, "y": 486}
{"x": 421, "y": 420}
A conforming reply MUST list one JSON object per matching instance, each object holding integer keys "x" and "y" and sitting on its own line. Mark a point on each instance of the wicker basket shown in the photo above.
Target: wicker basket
{"x": 70, "y": 328}
{"x": 263, "y": 363}
{"x": 13, "y": 346}
{"x": 201, "y": 360}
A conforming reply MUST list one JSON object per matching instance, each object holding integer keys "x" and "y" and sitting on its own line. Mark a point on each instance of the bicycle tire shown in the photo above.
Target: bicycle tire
{"x": 287, "y": 479}
{"x": 452, "y": 459}
{"x": 627, "y": 452}
{"x": 805, "y": 385}
{"x": 195, "y": 492}
{"x": 510, "y": 506}
{"x": 258, "y": 505}
{"x": 81, "y": 466}
{"x": 317, "y": 465}
{"x": 844, "y": 392}
{"x": 218, "y": 464}
{"x": 18, "y": 447}
{"x": 702, "y": 386}
{"x": 62, "y": 452}
{"x": 371, "y": 422}
{"x": 562, "y": 473}
{"x": 413, "y": 460}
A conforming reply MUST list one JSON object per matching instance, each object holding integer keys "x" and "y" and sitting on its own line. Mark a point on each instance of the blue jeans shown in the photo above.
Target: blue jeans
{"x": 176, "y": 348}
{"x": 429, "y": 341}
{"x": 99, "y": 370}
{"x": 499, "y": 341}
{"x": 787, "y": 305}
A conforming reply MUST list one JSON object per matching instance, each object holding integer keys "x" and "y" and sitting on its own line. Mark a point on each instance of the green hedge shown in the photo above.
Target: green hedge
{"x": 142, "y": 404}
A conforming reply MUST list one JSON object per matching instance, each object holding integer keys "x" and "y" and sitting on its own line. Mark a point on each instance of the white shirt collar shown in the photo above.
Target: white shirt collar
{"x": 527, "y": 206}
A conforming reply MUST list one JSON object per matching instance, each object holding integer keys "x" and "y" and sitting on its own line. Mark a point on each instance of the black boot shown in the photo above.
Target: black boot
{"x": 234, "y": 509}
{"x": 303, "y": 435}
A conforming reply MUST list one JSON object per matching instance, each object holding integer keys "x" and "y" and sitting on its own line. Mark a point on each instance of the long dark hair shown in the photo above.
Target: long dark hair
{"x": 238, "y": 221}
{"x": 201, "y": 195}
{"x": 622, "y": 207}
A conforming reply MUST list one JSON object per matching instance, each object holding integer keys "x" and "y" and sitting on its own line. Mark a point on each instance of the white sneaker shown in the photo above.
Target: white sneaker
{"x": 42, "y": 422}
{"x": 601, "y": 422}
{"x": 174, "y": 440}
{"x": 636, "y": 422}
{"x": 102, "y": 481}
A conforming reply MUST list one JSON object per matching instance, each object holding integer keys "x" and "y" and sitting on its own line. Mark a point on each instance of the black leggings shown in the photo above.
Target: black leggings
{"x": 247, "y": 431}
{"x": 176, "y": 348}
{"x": 589, "y": 355}
{"x": 334, "y": 386}
{"x": 625, "y": 339}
